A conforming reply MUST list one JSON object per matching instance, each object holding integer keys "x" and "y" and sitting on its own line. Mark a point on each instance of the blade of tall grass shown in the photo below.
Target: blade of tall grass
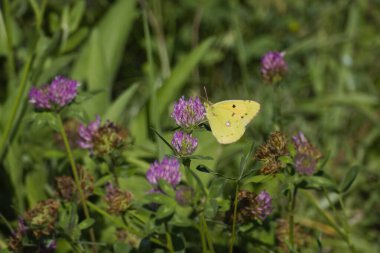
{"x": 116, "y": 109}
{"x": 173, "y": 85}
{"x": 99, "y": 60}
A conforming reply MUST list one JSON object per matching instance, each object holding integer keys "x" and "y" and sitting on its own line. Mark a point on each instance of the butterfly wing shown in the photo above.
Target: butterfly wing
{"x": 228, "y": 118}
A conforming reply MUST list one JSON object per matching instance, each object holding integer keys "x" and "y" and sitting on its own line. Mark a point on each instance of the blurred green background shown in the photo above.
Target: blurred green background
{"x": 135, "y": 58}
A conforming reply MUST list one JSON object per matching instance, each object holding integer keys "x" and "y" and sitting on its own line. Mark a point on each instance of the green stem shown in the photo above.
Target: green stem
{"x": 232, "y": 241}
{"x": 15, "y": 108}
{"x": 292, "y": 203}
{"x": 122, "y": 224}
{"x": 201, "y": 232}
{"x": 113, "y": 171}
{"x": 205, "y": 227}
{"x": 8, "y": 26}
{"x": 169, "y": 242}
{"x": 76, "y": 178}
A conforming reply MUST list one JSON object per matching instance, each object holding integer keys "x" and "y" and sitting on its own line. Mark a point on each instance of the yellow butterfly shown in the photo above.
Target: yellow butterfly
{"x": 229, "y": 118}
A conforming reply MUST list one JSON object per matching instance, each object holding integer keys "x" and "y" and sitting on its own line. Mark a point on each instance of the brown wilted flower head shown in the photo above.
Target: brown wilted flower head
{"x": 15, "y": 242}
{"x": 42, "y": 218}
{"x": 100, "y": 139}
{"x": 251, "y": 206}
{"x": 66, "y": 187}
{"x": 109, "y": 138}
{"x": 270, "y": 152}
{"x": 124, "y": 236}
{"x": 118, "y": 201}
{"x": 282, "y": 235}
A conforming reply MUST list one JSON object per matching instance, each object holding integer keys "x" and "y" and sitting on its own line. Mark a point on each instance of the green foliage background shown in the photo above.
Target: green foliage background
{"x": 135, "y": 58}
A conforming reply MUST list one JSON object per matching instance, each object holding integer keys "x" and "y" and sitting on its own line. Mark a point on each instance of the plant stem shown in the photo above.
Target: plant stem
{"x": 232, "y": 241}
{"x": 76, "y": 178}
{"x": 113, "y": 171}
{"x": 201, "y": 232}
{"x": 205, "y": 227}
{"x": 169, "y": 242}
{"x": 11, "y": 69}
{"x": 15, "y": 108}
{"x": 292, "y": 203}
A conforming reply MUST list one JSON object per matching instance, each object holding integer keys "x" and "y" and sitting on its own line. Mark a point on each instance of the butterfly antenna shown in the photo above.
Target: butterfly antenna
{"x": 204, "y": 87}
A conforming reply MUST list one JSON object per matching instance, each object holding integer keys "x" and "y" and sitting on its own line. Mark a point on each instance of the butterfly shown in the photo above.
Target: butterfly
{"x": 229, "y": 118}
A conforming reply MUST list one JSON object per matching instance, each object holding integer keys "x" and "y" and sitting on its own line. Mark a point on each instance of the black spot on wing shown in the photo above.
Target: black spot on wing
{"x": 233, "y": 106}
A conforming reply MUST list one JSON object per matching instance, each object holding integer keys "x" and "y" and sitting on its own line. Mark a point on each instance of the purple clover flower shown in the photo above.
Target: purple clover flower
{"x": 63, "y": 90}
{"x": 305, "y": 164}
{"x": 87, "y": 133}
{"x": 40, "y": 97}
{"x": 305, "y": 160}
{"x": 59, "y": 93}
{"x": 167, "y": 170}
{"x": 188, "y": 113}
{"x": 273, "y": 67}
{"x": 183, "y": 143}
{"x": 263, "y": 206}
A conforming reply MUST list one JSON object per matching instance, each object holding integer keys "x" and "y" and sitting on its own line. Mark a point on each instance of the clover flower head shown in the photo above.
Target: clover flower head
{"x": 263, "y": 206}
{"x": 100, "y": 139}
{"x": 273, "y": 67}
{"x": 118, "y": 200}
{"x": 188, "y": 113}
{"x": 59, "y": 93}
{"x": 167, "y": 169}
{"x": 184, "y": 143}
{"x": 307, "y": 156}
{"x": 87, "y": 133}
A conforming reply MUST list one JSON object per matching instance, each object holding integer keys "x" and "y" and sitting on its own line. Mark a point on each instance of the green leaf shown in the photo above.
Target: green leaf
{"x": 3, "y": 36}
{"x": 163, "y": 139}
{"x": 120, "y": 247}
{"x": 159, "y": 198}
{"x": 76, "y": 14}
{"x": 349, "y": 178}
{"x": 200, "y": 157}
{"x": 244, "y": 160}
{"x": 317, "y": 183}
{"x": 203, "y": 168}
{"x": 211, "y": 208}
{"x": 165, "y": 211}
{"x": 166, "y": 188}
{"x": 216, "y": 187}
{"x": 103, "y": 180}
{"x": 42, "y": 119}
{"x": 86, "y": 223}
{"x": 257, "y": 179}
{"x": 117, "y": 108}
{"x": 35, "y": 185}
{"x": 173, "y": 85}
{"x": 99, "y": 60}
{"x": 286, "y": 159}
